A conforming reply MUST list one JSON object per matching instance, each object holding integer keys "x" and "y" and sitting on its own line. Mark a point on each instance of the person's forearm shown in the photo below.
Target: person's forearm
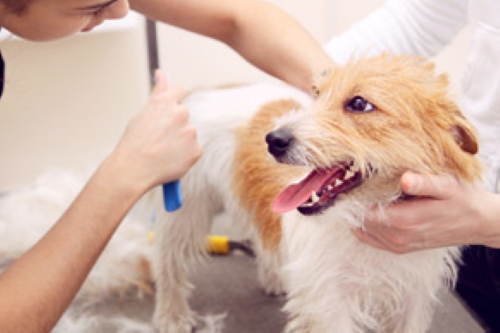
{"x": 490, "y": 214}
{"x": 263, "y": 34}
{"x": 277, "y": 44}
{"x": 36, "y": 289}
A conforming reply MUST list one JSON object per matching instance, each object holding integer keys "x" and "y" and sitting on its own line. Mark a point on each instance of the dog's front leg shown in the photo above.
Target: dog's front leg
{"x": 304, "y": 323}
{"x": 416, "y": 317}
{"x": 269, "y": 265}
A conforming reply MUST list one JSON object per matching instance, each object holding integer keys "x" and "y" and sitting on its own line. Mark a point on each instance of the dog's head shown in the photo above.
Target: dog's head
{"x": 374, "y": 119}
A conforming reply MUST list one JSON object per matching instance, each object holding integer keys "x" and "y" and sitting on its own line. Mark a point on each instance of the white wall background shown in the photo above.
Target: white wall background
{"x": 67, "y": 102}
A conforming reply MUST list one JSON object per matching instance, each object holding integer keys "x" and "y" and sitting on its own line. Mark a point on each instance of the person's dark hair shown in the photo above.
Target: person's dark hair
{"x": 15, "y": 6}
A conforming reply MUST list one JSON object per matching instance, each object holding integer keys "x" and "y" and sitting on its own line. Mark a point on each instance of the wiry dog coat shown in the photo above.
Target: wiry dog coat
{"x": 302, "y": 173}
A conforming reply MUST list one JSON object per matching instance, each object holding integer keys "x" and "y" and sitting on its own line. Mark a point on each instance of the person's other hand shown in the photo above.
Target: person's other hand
{"x": 441, "y": 212}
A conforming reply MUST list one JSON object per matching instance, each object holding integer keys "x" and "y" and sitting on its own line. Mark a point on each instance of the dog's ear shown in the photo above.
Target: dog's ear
{"x": 464, "y": 134}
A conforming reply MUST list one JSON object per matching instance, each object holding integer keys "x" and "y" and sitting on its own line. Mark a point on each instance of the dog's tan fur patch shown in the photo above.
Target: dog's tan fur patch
{"x": 257, "y": 179}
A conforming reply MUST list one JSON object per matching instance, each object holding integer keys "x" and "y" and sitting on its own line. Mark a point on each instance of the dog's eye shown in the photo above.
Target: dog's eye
{"x": 359, "y": 104}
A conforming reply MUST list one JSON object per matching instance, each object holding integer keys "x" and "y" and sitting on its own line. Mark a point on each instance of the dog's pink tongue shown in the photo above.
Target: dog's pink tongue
{"x": 296, "y": 194}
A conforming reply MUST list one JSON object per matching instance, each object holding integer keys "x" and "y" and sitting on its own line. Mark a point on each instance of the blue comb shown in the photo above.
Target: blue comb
{"x": 172, "y": 196}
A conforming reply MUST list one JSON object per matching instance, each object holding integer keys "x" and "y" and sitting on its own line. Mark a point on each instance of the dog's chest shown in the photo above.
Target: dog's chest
{"x": 333, "y": 263}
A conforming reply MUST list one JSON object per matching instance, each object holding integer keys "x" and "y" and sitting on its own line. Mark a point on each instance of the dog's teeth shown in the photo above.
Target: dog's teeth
{"x": 349, "y": 174}
{"x": 338, "y": 182}
{"x": 314, "y": 197}
{"x": 329, "y": 187}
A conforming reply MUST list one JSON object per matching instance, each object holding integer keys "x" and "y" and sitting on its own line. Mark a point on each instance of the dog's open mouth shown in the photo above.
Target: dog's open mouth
{"x": 318, "y": 190}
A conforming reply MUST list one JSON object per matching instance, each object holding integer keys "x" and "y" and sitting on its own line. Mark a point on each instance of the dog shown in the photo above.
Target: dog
{"x": 300, "y": 173}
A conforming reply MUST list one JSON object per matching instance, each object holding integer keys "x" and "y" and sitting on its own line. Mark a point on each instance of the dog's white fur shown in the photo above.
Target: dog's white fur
{"x": 333, "y": 282}
{"x": 347, "y": 287}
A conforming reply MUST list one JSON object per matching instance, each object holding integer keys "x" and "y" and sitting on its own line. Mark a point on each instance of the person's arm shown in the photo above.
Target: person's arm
{"x": 444, "y": 212}
{"x": 263, "y": 34}
{"x": 418, "y": 27}
{"x": 158, "y": 146}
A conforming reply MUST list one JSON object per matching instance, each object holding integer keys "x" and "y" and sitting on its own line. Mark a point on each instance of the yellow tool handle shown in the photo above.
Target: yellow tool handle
{"x": 218, "y": 245}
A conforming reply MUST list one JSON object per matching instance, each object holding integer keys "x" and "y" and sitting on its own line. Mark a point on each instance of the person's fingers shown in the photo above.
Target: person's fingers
{"x": 161, "y": 83}
{"x": 425, "y": 185}
{"x": 163, "y": 89}
{"x": 176, "y": 93}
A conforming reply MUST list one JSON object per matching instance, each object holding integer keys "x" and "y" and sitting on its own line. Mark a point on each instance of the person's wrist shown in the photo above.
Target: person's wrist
{"x": 119, "y": 172}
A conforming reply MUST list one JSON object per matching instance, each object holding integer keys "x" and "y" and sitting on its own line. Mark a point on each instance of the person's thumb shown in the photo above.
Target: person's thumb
{"x": 426, "y": 185}
{"x": 160, "y": 81}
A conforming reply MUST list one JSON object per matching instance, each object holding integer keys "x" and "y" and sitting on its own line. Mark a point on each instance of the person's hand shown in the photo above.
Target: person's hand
{"x": 441, "y": 212}
{"x": 159, "y": 144}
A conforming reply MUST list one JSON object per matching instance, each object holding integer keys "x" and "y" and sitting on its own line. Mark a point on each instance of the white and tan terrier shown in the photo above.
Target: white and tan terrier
{"x": 302, "y": 173}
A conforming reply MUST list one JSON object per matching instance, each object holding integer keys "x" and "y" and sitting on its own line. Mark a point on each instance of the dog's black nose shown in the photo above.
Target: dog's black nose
{"x": 279, "y": 141}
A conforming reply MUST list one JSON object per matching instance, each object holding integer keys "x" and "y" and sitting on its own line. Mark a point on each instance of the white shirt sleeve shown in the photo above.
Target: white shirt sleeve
{"x": 480, "y": 94}
{"x": 417, "y": 27}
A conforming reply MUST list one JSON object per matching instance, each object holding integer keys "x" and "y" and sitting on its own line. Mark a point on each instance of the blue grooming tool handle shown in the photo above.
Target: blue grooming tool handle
{"x": 172, "y": 196}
